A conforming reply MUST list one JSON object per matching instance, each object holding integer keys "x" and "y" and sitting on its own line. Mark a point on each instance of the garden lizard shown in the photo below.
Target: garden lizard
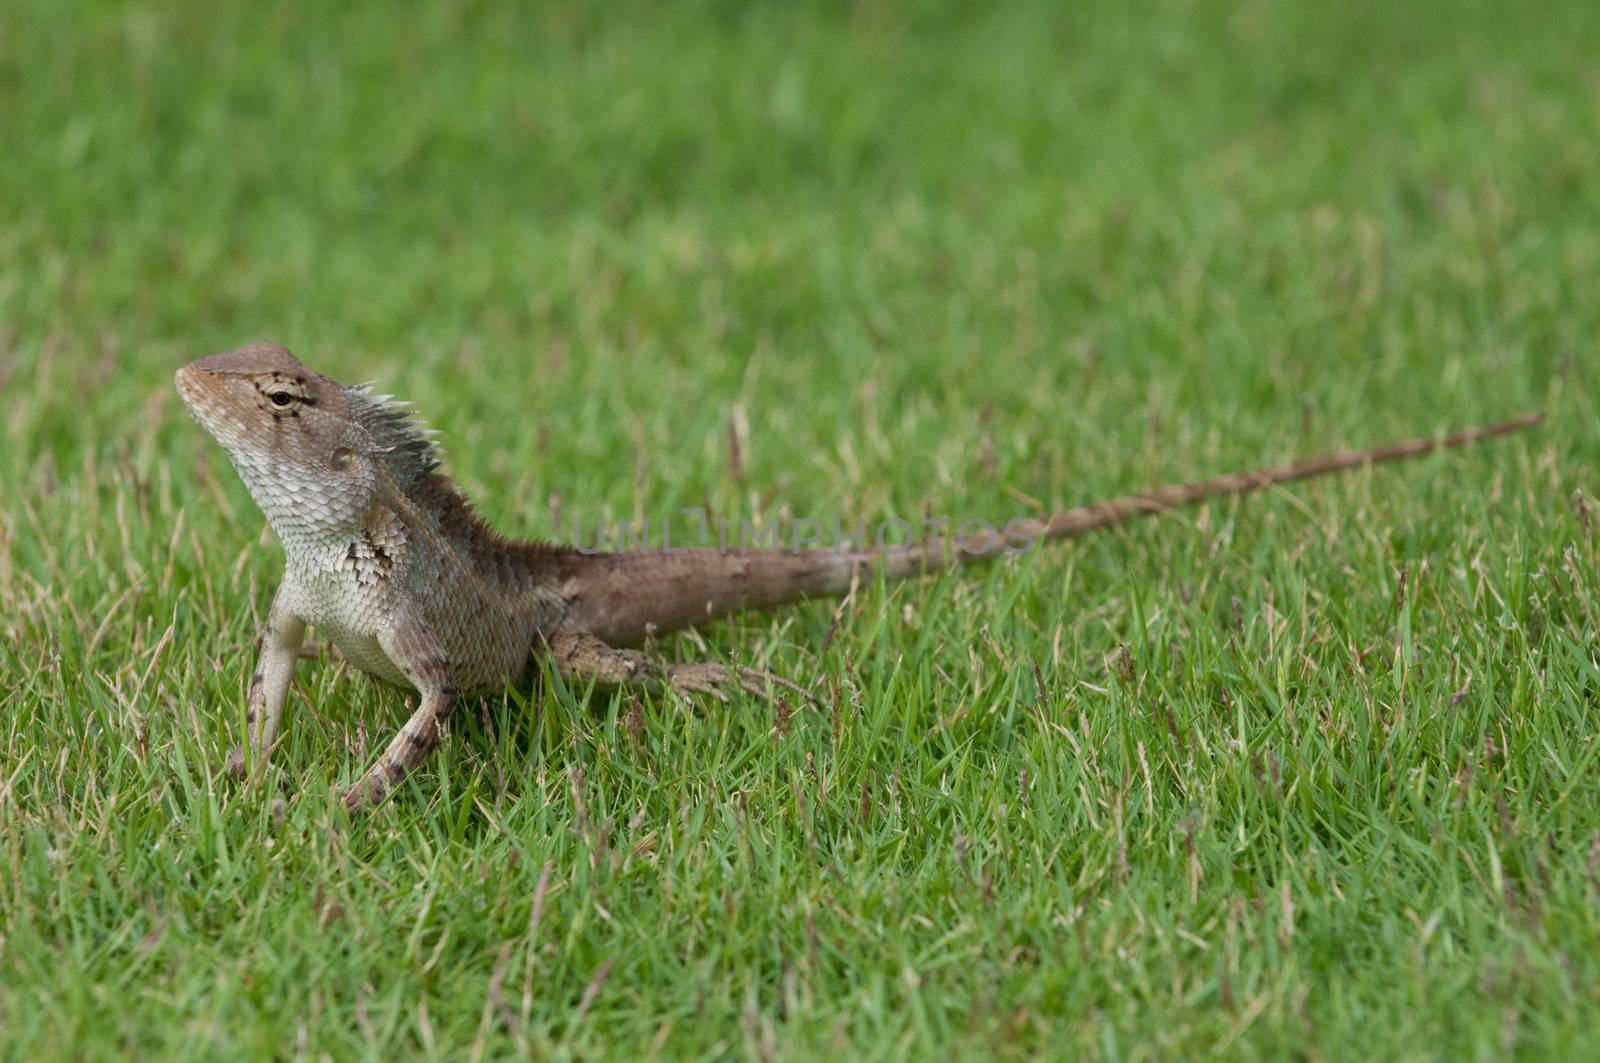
{"x": 388, "y": 560}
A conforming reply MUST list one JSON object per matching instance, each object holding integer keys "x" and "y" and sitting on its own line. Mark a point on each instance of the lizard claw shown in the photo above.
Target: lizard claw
{"x": 235, "y": 764}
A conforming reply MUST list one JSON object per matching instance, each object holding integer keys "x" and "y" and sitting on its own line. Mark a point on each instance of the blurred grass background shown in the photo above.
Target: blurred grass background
{"x": 1312, "y": 772}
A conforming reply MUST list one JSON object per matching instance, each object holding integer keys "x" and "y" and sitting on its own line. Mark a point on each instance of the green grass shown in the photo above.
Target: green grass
{"x": 1208, "y": 782}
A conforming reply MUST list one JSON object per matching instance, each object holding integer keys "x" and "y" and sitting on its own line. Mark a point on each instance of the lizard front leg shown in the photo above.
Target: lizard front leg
{"x": 585, "y": 658}
{"x": 414, "y": 647}
{"x": 269, "y": 686}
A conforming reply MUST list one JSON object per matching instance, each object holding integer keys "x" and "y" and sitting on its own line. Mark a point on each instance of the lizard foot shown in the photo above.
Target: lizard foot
{"x": 235, "y": 765}
{"x": 365, "y": 795}
{"x": 714, "y": 678}
{"x": 584, "y": 658}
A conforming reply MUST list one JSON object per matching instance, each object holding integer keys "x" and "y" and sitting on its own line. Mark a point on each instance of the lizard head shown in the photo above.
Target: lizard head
{"x": 312, "y": 451}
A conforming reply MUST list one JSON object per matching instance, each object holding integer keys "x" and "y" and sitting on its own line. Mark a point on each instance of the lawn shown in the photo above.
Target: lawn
{"x": 1313, "y": 772}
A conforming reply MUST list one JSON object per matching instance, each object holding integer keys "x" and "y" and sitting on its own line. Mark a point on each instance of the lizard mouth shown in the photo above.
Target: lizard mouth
{"x": 187, "y": 382}
{"x": 188, "y": 390}
{"x": 184, "y": 381}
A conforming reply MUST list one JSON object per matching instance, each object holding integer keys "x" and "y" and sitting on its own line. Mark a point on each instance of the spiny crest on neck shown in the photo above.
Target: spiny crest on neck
{"x": 401, "y": 440}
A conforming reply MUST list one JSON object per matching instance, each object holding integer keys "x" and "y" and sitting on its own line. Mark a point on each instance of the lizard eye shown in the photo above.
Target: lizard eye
{"x": 281, "y": 398}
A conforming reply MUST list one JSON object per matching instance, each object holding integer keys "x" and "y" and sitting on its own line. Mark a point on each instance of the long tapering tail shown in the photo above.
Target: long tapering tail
{"x": 625, "y": 597}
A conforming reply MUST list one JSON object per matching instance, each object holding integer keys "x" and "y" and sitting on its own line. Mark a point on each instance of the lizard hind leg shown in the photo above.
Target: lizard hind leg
{"x": 584, "y": 658}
